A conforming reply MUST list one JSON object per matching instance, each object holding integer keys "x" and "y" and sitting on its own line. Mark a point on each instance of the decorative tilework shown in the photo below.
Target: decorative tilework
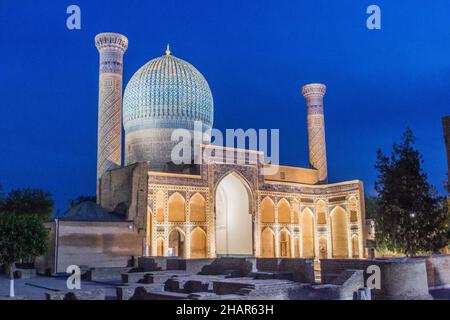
{"x": 165, "y": 94}
{"x": 111, "y": 47}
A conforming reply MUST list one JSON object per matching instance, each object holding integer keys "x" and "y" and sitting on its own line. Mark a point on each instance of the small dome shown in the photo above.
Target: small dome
{"x": 165, "y": 89}
{"x": 90, "y": 211}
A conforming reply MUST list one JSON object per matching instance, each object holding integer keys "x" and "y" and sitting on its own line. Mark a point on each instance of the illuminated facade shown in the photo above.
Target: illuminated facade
{"x": 225, "y": 205}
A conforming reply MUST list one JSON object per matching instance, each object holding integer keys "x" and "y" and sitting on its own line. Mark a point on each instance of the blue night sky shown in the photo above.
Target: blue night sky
{"x": 255, "y": 55}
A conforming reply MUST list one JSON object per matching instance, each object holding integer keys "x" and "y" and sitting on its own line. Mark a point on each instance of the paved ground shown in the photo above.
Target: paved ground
{"x": 35, "y": 288}
{"x": 441, "y": 294}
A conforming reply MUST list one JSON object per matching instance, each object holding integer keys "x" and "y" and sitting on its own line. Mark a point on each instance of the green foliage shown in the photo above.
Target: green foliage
{"x": 80, "y": 199}
{"x": 28, "y": 201}
{"x": 21, "y": 237}
{"x": 371, "y": 207}
{"x": 410, "y": 217}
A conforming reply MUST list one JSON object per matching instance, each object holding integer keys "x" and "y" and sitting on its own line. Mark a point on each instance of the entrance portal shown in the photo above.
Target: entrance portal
{"x": 176, "y": 244}
{"x": 234, "y": 228}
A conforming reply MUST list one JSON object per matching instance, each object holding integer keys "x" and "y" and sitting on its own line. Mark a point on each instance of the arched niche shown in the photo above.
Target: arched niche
{"x": 198, "y": 243}
{"x": 284, "y": 211}
{"x": 285, "y": 243}
{"x": 177, "y": 211}
{"x": 307, "y": 224}
{"x": 267, "y": 210}
{"x": 197, "y": 208}
{"x": 176, "y": 243}
{"x": 339, "y": 232}
{"x": 267, "y": 243}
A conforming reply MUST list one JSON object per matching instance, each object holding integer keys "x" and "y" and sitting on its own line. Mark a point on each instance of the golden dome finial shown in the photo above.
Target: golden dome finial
{"x": 168, "y": 50}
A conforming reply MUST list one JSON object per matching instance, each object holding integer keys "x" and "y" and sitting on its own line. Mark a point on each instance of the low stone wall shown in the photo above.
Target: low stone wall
{"x": 127, "y": 292}
{"x": 152, "y": 263}
{"x": 301, "y": 269}
{"x": 107, "y": 274}
{"x": 22, "y": 273}
{"x": 192, "y": 266}
{"x": 242, "y": 267}
{"x": 401, "y": 278}
{"x": 94, "y": 294}
{"x": 438, "y": 270}
{"x": 343, "y": 287}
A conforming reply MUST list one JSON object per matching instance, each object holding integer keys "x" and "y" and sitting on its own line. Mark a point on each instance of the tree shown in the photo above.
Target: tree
{"x": 411, "y": 216}
{"x": 21, "y": 237}
{"x": 1, "y": 197}
{"x": 28, "y": 201}
{"x": 371, "y": 206}
{"x": 80, "y": 199}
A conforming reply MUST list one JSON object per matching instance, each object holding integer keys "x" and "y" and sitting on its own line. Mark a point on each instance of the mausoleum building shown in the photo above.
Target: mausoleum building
{"x": 227, "y": 205}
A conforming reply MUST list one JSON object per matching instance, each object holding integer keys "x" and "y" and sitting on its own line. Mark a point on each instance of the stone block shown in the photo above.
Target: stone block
{"x": 107, "y": 274}
{"x": 93, "y": 294}
{"x": 128, "y": 291}
{"x": 20, "y": 273}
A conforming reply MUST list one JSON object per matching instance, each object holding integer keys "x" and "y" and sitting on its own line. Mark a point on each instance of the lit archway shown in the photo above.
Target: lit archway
{"x": 267, "y": 243}
{"x": 234, "y": 225}
{"x": 307, "y": 223}
{"x": 339, "y": 233}
{"x": 267, "y": 210}
{"x": 176, "y": 243}
{"x": 197, "y": 208}
{"x": 285, "y": 243}
{"x": 198, "y": 243}
{"x": 284, "y": 211}
{"x": 177, "y": 212}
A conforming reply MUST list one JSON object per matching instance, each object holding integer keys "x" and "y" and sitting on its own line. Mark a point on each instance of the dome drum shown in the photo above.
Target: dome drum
{"x": 165, "y": 94}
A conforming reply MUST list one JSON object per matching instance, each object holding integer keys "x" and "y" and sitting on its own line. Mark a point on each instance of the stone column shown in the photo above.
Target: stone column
{"x": 313, "y": 94}
{"x": 111, "y": 47}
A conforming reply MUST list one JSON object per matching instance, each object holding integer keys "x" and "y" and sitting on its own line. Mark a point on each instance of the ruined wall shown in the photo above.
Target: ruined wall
{"x": 438, "y": 270}
{"x": 126, "y": 186}
{"x": 97, "y": 244}
{"x": 301, "y": 269}
{"x": 400, "y": 278}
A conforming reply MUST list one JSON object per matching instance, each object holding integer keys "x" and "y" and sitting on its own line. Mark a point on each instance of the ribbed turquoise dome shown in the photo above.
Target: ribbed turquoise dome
{"x": 167, "y": 92}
